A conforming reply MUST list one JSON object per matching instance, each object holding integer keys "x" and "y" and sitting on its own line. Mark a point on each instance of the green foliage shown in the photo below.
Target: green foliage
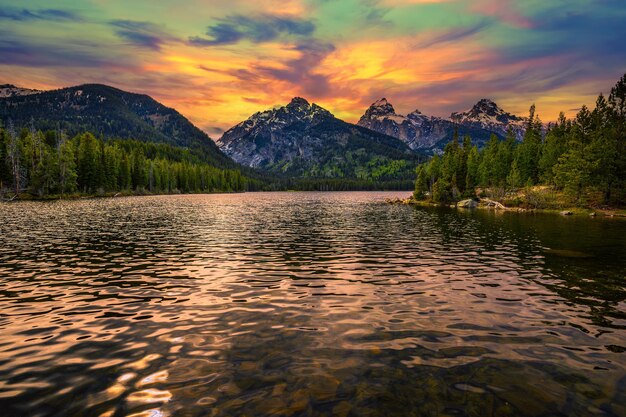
{"x": 472, "y": 177}
{"x": 45, "y": 164}
{"x": 442, "y": 191}
{"x": 421, "y": 184}
{"x": 573, "y": 170}
{"x": 584, "y": 156}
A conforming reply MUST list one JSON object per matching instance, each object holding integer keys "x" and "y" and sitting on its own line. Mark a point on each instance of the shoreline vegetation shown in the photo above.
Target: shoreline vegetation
{"x": 38, "y": 165}
{"x": 569, "y": 166}
{"x": 484, "y": 203}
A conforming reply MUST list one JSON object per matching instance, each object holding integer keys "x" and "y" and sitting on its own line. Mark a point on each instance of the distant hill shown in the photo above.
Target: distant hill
{"x": 304, "y": 140}
{"x": 106, "y": 111}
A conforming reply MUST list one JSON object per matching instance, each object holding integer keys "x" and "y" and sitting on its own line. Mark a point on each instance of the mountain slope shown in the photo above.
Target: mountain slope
{"x": 109, "y": 112}
{"x": 305, "y": 140}
{"x": 431, "y": 134}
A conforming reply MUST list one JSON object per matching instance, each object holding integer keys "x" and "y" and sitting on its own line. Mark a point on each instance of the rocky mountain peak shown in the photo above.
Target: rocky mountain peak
{"x": 380, "y": 107}
{"x": 484, "y": 109}
{"x": 486, "y": 106}
{"x": 298, "y": 102}
{"x": 486, "y": 114}
{"x": 303, "y": 138}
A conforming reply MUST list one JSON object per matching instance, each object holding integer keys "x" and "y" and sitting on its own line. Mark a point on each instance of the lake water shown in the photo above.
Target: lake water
{"x": 307, "y": 304}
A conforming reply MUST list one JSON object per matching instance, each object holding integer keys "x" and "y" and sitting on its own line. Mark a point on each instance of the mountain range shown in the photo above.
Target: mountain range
{"x": 299, "y": 139}
{"x": 304, "y": 140}
{"x": 431, "y": 134}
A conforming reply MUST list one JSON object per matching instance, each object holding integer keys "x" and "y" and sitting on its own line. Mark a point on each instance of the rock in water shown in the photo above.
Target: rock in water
{"x": 469, "y": 203}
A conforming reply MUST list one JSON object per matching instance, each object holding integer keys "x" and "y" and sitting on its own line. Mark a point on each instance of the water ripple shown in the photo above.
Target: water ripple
{"x": 307, "y": 304}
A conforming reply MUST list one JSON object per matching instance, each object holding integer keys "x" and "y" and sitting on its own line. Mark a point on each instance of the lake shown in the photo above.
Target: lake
{"x": 307, "y": 304}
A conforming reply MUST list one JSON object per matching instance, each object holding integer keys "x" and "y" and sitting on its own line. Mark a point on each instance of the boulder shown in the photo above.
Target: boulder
{"x": 566, "y": 213}
{"x": 469, "y": 203}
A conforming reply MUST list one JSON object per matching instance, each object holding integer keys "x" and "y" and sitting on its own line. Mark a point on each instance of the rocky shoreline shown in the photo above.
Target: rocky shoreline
{"x": 488, "y": 204}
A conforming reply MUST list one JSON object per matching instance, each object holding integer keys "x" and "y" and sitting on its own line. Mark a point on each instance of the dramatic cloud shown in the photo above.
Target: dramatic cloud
{"x": 263, "y": 28}
{"x": 301, "y": 71}
{"x": 142, "y": 34}
{"x": 18, "y": 52}
{"x": 437, "y": 55}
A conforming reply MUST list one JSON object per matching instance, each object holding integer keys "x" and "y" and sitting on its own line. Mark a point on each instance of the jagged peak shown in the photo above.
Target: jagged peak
{"x": 381, "y": 107}
{"x": 380, "y": 102}
{"x": 486, "y": 105}
{"x": 298, "y": 101}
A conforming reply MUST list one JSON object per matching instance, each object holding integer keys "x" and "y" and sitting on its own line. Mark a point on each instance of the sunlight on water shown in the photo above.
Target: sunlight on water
{"x": 307, "y": 304}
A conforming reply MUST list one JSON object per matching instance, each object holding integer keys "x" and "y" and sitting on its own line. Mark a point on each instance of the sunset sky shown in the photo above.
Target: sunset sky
{"x": 219, "y": 61}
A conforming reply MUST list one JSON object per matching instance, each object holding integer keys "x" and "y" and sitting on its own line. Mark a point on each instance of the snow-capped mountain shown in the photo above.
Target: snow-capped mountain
{"x": 418, "y": 131}
{"x": 488, "y": 115}
{"x": 304, "y": 139}
{"x": 9, "y": 90}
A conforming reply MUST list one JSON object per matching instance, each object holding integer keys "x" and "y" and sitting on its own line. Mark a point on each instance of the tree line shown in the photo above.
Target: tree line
{"x": 43, "y": 164}
{"x": 584, "y": 158}
{"x": 49, "y": 163}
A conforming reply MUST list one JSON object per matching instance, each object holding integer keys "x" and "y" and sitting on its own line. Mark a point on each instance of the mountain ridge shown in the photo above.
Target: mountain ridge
{"x": 486, "y": 114}
{"x": 304, "y": 139}
{"x": 426, "y": 133}
{"x": 111, "y": 113}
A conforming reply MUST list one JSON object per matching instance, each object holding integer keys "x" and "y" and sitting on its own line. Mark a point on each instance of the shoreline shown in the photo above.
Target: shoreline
{"x": 72, "y": 197}
{"x": 492, "y": 205}
{"x": 78, "y": 196}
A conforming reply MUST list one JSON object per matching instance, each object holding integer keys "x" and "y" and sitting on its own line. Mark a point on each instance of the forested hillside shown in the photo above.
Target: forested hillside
{"x": 43, "y": 164}
{"x": 110, "y": 113}
{"x": 583, "y": 159}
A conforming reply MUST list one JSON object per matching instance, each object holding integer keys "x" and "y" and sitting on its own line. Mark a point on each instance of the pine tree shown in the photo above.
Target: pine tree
{"x": 615, "y": 171}
{"x": 471, "y": 178}
{"x": 67, "y": 167}
{"x": 573, "y": 170}
{"x": 442, "y": 191}
{"x": 514, "y": 178}
{"x": 554, "y": 145}
{"x": 14, "y": 156}
{"x": 421, "y": 183}
{"x": 486, "y": 170}
{"x": 89, "y": 163}
{"x": 528, "y": 153}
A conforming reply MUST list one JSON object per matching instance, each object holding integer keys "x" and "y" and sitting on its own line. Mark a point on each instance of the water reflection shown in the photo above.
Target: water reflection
{"x": 307, "y": 304}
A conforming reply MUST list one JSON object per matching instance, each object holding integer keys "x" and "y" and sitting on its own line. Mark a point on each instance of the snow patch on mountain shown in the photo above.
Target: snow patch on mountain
{"x": 488, "y": 115}
{"x": 420, "y": 131}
